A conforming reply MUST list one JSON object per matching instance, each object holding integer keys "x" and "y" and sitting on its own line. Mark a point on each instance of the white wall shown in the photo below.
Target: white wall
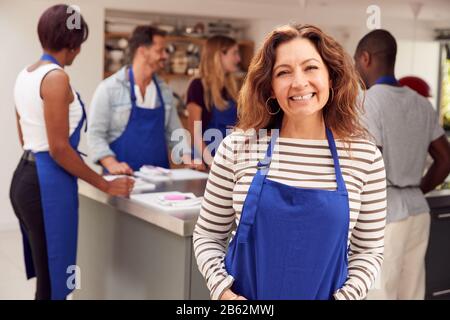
{"x": 419, "y": 58}
{"x": 20, "y": 46}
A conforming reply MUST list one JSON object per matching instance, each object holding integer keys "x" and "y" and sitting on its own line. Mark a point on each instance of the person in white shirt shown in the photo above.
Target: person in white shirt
{"x": 406, "y": 129}
{"x": 133, "y": 115}
{"x": 44, "y": 193}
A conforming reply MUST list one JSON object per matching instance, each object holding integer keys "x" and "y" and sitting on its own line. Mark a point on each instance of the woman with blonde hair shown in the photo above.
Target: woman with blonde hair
{"x": 309, "y": 198}
{"x": 211, "y": 98}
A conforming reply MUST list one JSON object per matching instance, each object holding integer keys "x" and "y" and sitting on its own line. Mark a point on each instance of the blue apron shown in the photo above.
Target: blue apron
{"x": 221, "y": 120}
{"x": 143, "y": 142}
{"x": 291, "y": 243}
{"x": 59, "y": 197}
{"x": 224, "y": 119}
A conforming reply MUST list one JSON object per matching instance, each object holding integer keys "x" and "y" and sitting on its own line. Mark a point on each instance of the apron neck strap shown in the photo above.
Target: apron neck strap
{"x": 131, "y": 79}
{"x": 133, "y": 93}
{"x": 158, "y": 90}
{"x": 264, "y": 164}
{"x": 50, "y": 58}
{"x": 390, "y": 80}
{"x": 337, "y": 168}
{"x": 84, "y": 117}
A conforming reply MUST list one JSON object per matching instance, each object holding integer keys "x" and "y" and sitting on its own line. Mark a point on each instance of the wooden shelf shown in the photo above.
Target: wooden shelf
{"x": 246, "y": 48}
{"x": 172, "y": 76}
{"x": 169, "y": 38}
{"x": 195, "y": 40}
{"x": 175, "y": 38}
{"x": 165, "y": 76}
{"x": 117, "y": 35}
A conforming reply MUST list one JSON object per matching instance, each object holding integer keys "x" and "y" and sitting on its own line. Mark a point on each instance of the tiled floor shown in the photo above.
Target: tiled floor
{"x": 13, "y": 282}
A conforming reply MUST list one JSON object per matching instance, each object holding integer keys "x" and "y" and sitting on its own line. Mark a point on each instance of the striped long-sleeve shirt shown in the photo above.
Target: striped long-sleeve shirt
{"x": 298, "y": 163}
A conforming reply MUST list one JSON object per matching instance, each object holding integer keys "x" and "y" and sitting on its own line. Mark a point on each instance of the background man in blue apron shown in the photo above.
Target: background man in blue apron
{"x": 132, "y": 113}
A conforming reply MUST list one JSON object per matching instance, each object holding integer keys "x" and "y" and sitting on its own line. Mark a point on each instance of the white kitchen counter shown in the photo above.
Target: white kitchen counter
{"x": 129, "y": 250}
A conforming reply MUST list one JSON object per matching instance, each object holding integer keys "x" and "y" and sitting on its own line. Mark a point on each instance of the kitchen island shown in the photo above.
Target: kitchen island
{"x": 128, "y": 250}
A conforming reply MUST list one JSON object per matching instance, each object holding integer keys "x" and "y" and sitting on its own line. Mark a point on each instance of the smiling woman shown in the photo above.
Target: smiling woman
{"x": 312, "y": 62}
{"x": 310, "y": 209}
{"x": 301, "y": 85}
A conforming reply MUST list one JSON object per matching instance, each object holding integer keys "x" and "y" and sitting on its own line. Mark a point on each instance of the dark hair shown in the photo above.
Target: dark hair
{"x": 143, "y": 36}
{"x": 381, "y": 44}
{"x": 54, "y": 30}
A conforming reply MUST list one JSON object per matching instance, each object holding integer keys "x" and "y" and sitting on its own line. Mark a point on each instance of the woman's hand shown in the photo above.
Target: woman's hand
{"x": 230, "y": 295}
{"x": 120, "y": 187}
{"x": 199, "y": 167}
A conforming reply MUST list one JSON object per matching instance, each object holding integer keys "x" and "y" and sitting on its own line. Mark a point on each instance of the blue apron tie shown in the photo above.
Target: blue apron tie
{"x": 143, "y": 142}
{"x": 390, "y": 80}
{"x": 291, "y": 243}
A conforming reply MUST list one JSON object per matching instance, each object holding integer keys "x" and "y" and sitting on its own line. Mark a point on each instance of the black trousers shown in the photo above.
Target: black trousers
{"x": 25, "y": 197}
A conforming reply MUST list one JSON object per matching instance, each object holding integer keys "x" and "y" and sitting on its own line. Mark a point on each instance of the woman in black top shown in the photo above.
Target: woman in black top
{"x": 211, "y": 98}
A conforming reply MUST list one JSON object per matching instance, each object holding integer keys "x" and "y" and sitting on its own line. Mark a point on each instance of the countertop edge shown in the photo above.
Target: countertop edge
{"x": 181, "y": 226}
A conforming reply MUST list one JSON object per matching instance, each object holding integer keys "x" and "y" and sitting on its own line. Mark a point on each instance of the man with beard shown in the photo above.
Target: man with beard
{"x": 132, "y": 112}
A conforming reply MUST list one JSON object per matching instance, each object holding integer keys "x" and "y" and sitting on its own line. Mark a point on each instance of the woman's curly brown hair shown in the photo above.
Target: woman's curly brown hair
{"x": 341, "y": 114}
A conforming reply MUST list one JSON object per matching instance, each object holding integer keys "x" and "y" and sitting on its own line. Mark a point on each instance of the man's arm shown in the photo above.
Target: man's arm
{"x": 97, "y": 137}
{"x": 439, "y": 150}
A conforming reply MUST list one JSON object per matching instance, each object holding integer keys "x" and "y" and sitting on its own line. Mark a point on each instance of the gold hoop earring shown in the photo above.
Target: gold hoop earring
{"x": 268, "y": 108}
